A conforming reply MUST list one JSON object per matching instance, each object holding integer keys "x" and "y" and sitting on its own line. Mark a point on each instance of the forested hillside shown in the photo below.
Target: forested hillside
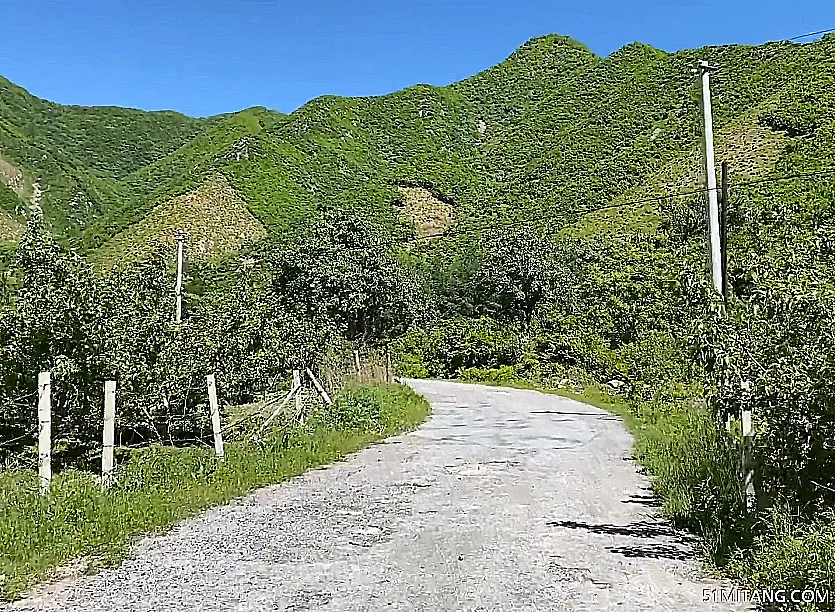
{"x": 560, "y": 242}
{"x": 554, "y": 128}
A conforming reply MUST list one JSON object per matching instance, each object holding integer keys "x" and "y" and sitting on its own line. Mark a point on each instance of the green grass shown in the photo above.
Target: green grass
{"x": 159, "y": 486}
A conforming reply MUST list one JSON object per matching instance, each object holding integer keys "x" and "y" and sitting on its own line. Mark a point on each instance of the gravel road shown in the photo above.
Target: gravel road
{"x": 504, "y": 500}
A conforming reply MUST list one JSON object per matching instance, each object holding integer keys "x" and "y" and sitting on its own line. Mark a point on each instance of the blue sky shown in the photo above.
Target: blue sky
{"x": 203, "y": 58}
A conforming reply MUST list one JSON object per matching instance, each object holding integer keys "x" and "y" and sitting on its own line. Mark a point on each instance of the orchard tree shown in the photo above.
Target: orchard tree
{"x": 345, "y": 269}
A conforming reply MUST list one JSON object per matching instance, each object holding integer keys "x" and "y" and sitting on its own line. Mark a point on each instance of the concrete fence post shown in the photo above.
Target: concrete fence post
{"x": 297, "y": 384}
{"x": 210, "y": 382}
{"x": 357, "y": 364}
{"x": 45, "y": 430}
{"x": 108, "y": 433}
{"x": 389, "y": 370}
{"x": 747, "y": 460}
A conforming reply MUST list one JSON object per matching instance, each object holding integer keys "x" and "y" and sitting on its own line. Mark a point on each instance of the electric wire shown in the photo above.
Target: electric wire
{"x": 812, "y": 34}
{"x": 551, "y": 215}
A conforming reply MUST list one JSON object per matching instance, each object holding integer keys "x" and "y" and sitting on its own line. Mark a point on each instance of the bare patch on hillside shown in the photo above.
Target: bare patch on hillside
{"x": 14, "y": 179}
{"x": 750, "y": 149}
{"x": 10, "y": 229}
{"x": 214, "y": 215}
{"x": 10, "y": 175}
{"x": 430, "y": 214}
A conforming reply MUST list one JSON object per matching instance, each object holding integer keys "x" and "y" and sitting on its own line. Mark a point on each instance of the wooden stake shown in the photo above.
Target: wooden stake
{"x": 297, "y": 383}
{"x": 210, "y": 381}
{"x": 45, "y": 430}
{"x": 388, "y": 366}
{"x": 357, "y": 364}
{"x": 107, "y": 436}
{"x": 294, "y": 390}
{"x": 747, "y": 461}
{"x": 319, "y": 387}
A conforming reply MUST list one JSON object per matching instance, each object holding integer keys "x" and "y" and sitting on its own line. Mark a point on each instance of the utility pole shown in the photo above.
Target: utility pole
{"x": 723, "y": 223}
{"x": 180, "y": 236}
{"x": 704, "y": 70}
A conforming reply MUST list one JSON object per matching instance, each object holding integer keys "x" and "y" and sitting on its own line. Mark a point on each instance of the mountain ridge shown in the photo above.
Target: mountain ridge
{"x": 552, "y": 127}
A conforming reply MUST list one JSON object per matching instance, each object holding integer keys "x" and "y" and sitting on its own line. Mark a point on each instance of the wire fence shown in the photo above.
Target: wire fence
{"x": 291, "y": 397}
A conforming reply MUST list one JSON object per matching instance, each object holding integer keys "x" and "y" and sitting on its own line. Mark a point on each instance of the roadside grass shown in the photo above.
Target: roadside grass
{"x": 694, "y": 469}
{"x": 158, "y": 486}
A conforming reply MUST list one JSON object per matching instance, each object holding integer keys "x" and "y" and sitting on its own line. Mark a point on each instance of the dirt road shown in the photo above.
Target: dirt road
{"x": 505, "y": 500}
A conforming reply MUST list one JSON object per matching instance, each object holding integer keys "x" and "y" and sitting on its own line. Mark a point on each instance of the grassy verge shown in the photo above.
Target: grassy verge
{"x": 693, "y": 468}
{"x": 159, "y": 486}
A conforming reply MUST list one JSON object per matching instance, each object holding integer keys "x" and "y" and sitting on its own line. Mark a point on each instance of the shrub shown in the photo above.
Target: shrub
{"x": 454, "y": 346}
{"x": 86, "y": 329}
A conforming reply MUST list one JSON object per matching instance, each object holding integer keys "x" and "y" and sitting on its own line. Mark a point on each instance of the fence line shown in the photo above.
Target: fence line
{"x": 367, "y": 367}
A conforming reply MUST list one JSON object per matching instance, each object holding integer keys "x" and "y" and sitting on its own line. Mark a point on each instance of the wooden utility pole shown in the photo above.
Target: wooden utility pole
{"x": 704, "y": 70}
{"x": 180, "y": 237}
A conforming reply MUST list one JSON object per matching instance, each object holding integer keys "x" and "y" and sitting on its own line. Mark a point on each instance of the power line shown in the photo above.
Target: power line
{"x": 812, "y": 34}
{"x": 622, "y": 204}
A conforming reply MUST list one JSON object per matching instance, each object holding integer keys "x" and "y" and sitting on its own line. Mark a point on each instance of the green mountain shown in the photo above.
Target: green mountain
{"x": 552, "y": 131}
{"x": 591, "y": 164}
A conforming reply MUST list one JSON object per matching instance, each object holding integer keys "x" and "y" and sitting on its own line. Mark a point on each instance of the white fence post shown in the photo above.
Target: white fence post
{"x": 107, "y": 435}
{"x": 210, "y": 381}
{"x": 747, "y": 460}
{"x": 45, "y": 430}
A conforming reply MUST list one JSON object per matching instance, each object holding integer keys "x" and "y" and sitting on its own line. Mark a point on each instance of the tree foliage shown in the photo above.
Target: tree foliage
{"x": 85, "y": 329}
{"x": 345, "y": 270}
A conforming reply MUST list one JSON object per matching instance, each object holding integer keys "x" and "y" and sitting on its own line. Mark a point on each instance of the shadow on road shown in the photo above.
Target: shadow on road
{"x": 653, "y": 551}
{"x": 672, "y": 547}
{"x": 650, "y": 501}
{"x": 641, "y": 529}
{"x": 599, "y": 417}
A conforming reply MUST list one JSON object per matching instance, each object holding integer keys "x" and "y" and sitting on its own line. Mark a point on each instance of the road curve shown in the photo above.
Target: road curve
{"x": 504, "y": 500}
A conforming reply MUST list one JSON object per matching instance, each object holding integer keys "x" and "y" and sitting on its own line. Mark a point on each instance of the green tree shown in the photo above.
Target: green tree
{"x": 345, "y": 270}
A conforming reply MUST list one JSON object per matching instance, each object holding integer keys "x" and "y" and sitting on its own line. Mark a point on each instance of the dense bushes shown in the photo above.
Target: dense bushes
{"x": 450, "y": 347}
{"x": 344, "y": 270}
{"x": 774, "y": 353}
{"x": 86, "y": 328}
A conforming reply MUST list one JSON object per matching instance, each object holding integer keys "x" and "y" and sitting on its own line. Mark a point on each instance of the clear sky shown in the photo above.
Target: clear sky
{"x": 207, "y": 57}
